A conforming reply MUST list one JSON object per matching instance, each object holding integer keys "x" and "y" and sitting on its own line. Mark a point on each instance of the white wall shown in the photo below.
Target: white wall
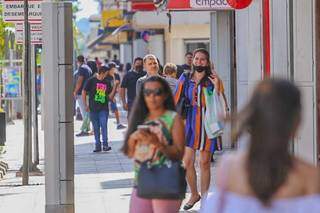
{"x": 250, "y": 59}
{"x": 221, "y": 56}
{"x": 185, "y": 25}
{"x": 154, "y": 46}
{"x": 139, "y": 48}
{"x": 147, "y": 19}
{"x": 175, "y": 46}
{"x": 249, "y": 50}
{"x": 280, "y": 38}
{"x": 126, "y": 53}
{"x": 304, "y": 76}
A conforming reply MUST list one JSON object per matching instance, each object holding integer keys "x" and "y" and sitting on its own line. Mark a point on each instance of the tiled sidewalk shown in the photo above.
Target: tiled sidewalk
{"x": 102, "y": 180}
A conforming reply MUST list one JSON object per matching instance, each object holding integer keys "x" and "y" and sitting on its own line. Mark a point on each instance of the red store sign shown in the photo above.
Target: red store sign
{"x": 148, "y": 5}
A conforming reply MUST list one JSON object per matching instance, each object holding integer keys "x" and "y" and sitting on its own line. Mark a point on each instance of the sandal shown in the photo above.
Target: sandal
{"x": 190, "y": 206}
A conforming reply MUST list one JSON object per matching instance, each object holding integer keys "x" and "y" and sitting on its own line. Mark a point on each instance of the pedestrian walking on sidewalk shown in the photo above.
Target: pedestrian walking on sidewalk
{"x": 93, "y": 67}
{"x": 128, "y": 84}
{"x": 185, "y": 68}
{"x": 114, "y": 78}
{"x": 81, "y": 76}
{"x": 151, "y": 66}
{"x": 267, "y": 177}
{"x": 192, "y": 88}
{"x": 170, "y": 73}
{"x": 100, "y": 92}
{"x": 155, "y": 135}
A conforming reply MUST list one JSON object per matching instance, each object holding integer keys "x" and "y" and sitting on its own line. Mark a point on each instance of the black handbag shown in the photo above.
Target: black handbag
{"x": 183, "y": 104}
{"x": 165, "y": 181}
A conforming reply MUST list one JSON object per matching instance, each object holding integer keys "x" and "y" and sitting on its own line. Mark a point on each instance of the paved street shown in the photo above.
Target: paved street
{"x": 102, "y": 181}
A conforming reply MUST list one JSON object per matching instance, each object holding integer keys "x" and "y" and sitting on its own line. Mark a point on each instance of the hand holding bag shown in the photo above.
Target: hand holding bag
{"x": 162, "y": 181}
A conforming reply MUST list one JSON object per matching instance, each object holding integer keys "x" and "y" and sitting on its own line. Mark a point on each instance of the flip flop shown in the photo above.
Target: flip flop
{"x": 190, "y": 206}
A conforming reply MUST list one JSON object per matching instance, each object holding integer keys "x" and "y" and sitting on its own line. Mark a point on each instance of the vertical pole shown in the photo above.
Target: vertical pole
{"x": 291, "y": 54}
{"x": 26, "y": 106}
{"x": 34, "y": 106}
{"x": 9, "y": 104}
{"x": 58, "y": 111}
{"x": 266, "y": 38}
{"x": 317, "y": 22}
{"x": 233, "y": 105}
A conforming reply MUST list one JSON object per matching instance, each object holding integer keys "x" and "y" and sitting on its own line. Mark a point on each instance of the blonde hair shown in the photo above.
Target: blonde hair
{"x": 170, "y": 68}
{"x": 149, "y": 56}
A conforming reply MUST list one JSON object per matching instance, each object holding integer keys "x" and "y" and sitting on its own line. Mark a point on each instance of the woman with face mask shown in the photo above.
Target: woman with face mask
{"x": 191, "y": 87}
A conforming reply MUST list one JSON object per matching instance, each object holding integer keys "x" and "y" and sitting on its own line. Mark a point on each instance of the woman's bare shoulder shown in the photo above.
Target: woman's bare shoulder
{"x": 309, "y": 174}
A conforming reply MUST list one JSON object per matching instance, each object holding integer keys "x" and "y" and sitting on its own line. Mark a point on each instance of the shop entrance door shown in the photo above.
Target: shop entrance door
{"x": 222, "y": 48}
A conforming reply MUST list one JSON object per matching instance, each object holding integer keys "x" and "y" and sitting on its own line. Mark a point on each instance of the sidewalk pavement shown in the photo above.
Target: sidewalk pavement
{"x": 103, "y": 181}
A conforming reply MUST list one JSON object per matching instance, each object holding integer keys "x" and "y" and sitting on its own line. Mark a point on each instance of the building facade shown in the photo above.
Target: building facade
{"x": 185, "y": 33}
{"x": 276, "y": 38}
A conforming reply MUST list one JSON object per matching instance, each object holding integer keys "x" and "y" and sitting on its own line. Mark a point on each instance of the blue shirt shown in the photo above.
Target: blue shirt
{"x": 84, "y": 72}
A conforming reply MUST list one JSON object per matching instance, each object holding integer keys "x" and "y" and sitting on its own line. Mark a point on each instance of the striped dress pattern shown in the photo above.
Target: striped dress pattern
{"x": 196, "y": 137}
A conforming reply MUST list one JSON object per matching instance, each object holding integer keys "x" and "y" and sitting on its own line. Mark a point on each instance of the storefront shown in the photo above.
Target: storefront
{"x": 268, "y": 38}
{"x": 291, "y": 54}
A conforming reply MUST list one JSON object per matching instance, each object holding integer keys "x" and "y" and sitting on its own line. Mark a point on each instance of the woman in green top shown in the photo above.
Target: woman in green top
{"x": 161, "y": 139}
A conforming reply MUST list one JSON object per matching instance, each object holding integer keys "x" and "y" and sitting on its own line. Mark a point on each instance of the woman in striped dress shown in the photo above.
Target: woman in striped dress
{"x": 191, "y": 86}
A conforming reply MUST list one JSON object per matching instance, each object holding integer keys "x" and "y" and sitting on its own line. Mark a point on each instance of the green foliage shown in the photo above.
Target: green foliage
{"x": 77, "y": 35}
{"x": 7, "y": 40}
{"x": 4, "y": 33}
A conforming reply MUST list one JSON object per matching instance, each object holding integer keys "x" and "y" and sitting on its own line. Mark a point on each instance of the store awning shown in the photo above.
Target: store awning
{"x": 123, "y": 28}
{"x": 108, "y": 38}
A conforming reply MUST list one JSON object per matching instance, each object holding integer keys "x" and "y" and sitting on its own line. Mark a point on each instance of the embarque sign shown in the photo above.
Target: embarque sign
{"x": 13, "y": 10}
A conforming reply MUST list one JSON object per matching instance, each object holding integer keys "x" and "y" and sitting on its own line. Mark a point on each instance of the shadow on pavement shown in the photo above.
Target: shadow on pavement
{"x": 87, "y": 162}
{"x": 116, "y": 184}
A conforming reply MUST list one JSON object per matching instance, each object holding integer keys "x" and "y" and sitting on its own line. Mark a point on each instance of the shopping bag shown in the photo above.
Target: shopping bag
{"x": 213, "y": 114}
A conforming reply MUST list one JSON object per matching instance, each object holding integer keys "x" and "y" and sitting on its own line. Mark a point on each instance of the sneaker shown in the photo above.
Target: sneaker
{"x": 97, "y": 150}
{"x": 120, "y": 126}
{"x": 106, "y": 148}
{"x": 81, "y": 134}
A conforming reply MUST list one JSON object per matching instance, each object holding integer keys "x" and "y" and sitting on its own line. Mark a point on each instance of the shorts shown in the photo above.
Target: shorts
{"x": 113, "y": 106}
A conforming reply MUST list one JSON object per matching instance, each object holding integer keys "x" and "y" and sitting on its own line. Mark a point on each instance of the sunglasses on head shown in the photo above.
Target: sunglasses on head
{"x": 156, "y": 92}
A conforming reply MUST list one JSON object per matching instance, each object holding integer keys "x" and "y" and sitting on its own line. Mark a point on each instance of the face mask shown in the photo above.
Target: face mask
{"x": 201, "y": 68}
{"x": 139, "y": 68}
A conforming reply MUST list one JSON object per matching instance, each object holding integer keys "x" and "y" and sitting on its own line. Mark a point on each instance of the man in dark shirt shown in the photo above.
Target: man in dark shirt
{"x": 115, "y": 60}
{"x": 114, "y": 77}
{"x": 187, "y": 66}
{"x": 100, "y": 91}
{"x": 128, "y": 85}
{"x": 81, "y": 76}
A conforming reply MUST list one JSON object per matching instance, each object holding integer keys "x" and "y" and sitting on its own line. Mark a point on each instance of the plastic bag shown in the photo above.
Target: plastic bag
{"x": 214, "y": 112}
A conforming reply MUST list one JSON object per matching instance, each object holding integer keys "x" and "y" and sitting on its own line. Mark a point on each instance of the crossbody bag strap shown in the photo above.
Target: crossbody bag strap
{"x": 186, "y": 85}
